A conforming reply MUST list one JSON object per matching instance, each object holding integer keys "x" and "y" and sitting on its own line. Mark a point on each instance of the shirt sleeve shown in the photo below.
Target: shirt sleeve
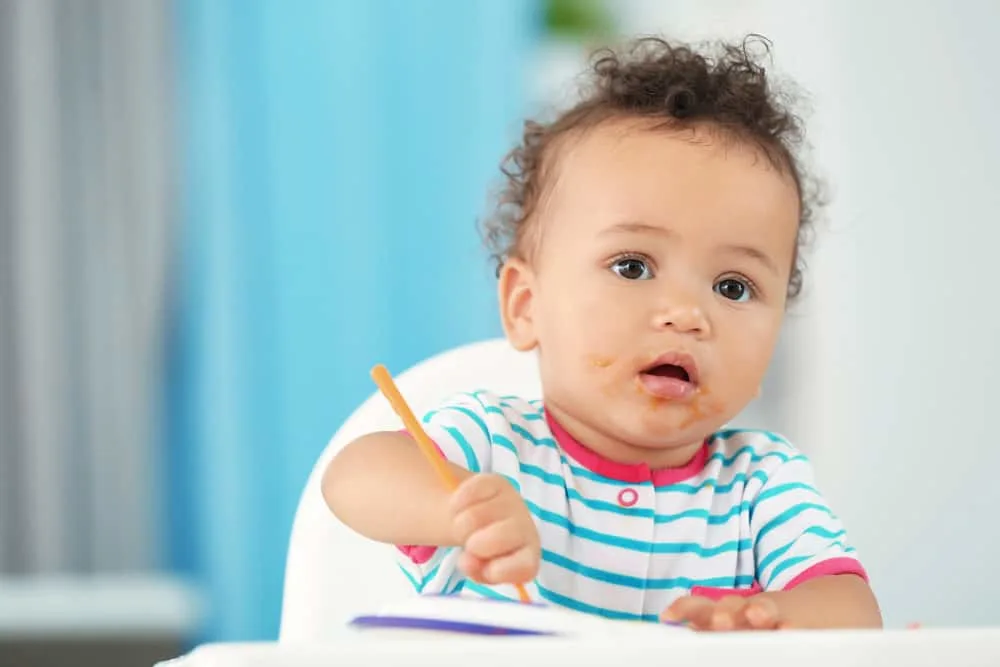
{"x": 796, "y": 536}
{"x": 459, "y": 429}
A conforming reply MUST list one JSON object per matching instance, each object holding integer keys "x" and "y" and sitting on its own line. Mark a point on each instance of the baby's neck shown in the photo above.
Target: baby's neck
{"x": 614, "y": 449}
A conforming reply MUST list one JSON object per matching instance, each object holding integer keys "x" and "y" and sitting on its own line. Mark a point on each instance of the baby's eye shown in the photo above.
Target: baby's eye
{"x": 632, "y": 268}
{"x": 734, "y": 289}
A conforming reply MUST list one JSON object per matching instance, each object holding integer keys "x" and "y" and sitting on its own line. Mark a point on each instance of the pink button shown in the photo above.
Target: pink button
{"x": 628, "y": 497}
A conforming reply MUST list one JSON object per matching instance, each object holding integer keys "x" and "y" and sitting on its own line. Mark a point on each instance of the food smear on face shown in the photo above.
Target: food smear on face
{"x": 600, "y": 360}
{"x": 699, "y": 406}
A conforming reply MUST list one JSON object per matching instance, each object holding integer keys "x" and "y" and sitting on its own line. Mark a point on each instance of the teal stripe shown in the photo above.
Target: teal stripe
{"x": 784, "y": 565}
{"x": 471, "y": 461}
{"x": 790, "y": 514}
{"x": 774, "y": 555}
{"x": 738, "y": 479}
{"x": 501, "y": 441}
{"x": 527, "y": 416}
{"x": 614, "y": 508}
{"x": 640, "y": 583}
{"x": 505, "y": 407}
{"x": 550, "y": 478}
{"x": 798, "y": 559}
{"x": 812, "y": 530}
{"x": 471, "y": 458}
{"x": 428, "y": 578}
{"x": 504, "y": 397}
{"x": 784, "y": 488}
{"x": 505, "y": 402}
{"x": 485, "y": 591}
{"x": 474, "y": 417}
{"x": 515, "y": 483}
{"x": 754, "y": 456}
{"x": 576, "y": 605}
{"x": 455, "y": 583}
{"x": 413, "y": 580}
{"x": 711, "y": 519}
{"x": 530, "y": 437}
{"x": 635, "y": 545}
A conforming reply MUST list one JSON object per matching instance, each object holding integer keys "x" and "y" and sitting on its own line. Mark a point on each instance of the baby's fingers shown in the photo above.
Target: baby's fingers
{"x": 497, "y": 539}
{"x": 762, "y": 614}
{"x": 730, "y": 614}
{"x": 471, "y": 566}
{"x": 519, "y": 567}
{"x": 693, "y": 610}
{"x": 478, "y": 489}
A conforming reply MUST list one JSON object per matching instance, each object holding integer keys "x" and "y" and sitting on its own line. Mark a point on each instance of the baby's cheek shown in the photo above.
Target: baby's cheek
{"x": 742, "y": 380}
{"x": 750, "y": 344}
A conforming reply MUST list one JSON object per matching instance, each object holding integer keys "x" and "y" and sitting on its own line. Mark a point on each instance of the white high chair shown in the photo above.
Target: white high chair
{"x": 333, "y": 574}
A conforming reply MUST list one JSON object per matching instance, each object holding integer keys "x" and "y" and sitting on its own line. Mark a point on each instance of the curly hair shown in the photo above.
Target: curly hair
{"x": 676, "y": 87}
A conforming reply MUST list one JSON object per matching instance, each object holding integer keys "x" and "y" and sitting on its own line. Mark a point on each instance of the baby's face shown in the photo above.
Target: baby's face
{"x": 657, "y": 288}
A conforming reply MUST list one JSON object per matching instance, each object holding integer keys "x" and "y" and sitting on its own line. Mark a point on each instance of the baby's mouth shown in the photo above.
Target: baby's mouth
{"x": 672, "y": 377}
{"x": 669, "y": 371}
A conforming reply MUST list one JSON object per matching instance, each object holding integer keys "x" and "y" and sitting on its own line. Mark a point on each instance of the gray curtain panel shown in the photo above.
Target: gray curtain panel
{"x": 85, "y": 205}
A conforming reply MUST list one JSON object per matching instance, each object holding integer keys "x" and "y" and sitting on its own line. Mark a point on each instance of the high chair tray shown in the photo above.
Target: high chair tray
{"x": 869, "y": 648}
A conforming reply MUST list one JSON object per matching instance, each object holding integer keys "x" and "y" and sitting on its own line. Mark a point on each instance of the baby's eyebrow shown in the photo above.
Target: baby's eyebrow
{"x": 753, "y": 253}
{"x": 637, "y": 227}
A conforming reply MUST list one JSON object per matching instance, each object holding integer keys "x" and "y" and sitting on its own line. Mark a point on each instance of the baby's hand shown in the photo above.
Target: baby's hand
{"x": 758, "y": 612}
{"x": 494, "y": 525}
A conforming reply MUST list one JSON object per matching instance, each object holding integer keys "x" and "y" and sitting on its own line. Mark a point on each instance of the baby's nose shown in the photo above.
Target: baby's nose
{"x": 688, "y": 319}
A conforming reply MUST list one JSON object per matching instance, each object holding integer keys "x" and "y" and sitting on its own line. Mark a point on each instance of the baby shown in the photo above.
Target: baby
{"x": 647, "y": 247}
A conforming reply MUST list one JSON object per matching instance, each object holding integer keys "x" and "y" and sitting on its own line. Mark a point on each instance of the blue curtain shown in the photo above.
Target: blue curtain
{"x": 336, "y": 155}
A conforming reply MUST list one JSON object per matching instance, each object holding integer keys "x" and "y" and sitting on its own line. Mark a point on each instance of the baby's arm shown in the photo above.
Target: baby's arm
{"x": 833, "y": 601}
{"x": 804, "y": 559}
{"x": 808, "y": 575}
{"x": 381, "y": 486}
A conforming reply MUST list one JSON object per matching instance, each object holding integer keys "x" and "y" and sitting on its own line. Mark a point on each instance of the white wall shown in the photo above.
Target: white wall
{"x": 896, "y": 345}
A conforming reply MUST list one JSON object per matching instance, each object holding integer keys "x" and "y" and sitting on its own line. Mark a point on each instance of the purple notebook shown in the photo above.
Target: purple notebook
{"x": 472, "y": 616}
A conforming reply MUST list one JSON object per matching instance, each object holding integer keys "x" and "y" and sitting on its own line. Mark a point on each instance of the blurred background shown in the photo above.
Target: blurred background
{"x": 217, "y": 215}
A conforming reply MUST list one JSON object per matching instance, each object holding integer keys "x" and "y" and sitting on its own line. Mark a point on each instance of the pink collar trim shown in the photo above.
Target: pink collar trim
{"x": 625, "y": 472}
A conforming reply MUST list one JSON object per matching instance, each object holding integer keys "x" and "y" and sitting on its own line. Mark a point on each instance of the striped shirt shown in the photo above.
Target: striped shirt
{"x": 624, "y": 541}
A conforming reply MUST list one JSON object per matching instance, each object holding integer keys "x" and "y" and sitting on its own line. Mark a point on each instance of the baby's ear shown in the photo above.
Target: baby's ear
{"x": 516, "y": 293}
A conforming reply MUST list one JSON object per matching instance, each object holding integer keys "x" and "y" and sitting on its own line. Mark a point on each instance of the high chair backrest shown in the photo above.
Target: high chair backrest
{"x": 333, "y": 574}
